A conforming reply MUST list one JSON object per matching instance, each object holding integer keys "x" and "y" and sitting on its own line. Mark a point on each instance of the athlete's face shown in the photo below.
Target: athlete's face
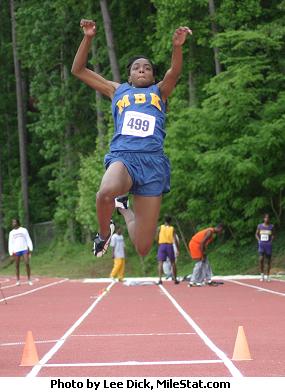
{"x": 141, "y": 73}
{"x": 266, "y": 219}
{"x": 15, "y": 224}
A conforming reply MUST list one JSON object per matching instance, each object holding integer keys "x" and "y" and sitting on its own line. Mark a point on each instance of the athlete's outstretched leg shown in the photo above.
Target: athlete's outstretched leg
{"x": 115, "y": 182}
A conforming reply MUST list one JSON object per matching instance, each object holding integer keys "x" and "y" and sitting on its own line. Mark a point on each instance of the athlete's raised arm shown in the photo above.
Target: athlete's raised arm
{"x": 79, "y": 69}
{"x": 169, "y": 81}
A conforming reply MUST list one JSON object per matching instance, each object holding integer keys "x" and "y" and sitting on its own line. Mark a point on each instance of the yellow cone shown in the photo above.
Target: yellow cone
{"x": 30, "y": 355}
{"x": 241, "y": 349}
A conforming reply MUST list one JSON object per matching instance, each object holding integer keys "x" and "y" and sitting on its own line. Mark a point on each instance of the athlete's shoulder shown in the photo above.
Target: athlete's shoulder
{"x": 122, "y": 88}
{"x": 155, "y": 88}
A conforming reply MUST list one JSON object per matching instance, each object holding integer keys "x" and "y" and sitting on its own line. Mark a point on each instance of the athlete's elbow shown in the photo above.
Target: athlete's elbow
{"x": 75, "y": 70}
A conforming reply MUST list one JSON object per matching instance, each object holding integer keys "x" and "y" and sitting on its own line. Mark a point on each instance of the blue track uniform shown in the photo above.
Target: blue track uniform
{"x": 139, "y": 118}
{"x": 265, "y": 239}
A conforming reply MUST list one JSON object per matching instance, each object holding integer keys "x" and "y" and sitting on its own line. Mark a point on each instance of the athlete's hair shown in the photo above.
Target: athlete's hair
{"x": 134, "y": 58}
{"x": 17, "y": 220}
{"x": 167, "y": 219}
{"x": 220, "y": 226}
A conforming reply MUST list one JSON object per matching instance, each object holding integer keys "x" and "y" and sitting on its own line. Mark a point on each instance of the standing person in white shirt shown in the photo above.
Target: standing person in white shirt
{"x": 20, "y": 244}
{"x": 119, "y": 255}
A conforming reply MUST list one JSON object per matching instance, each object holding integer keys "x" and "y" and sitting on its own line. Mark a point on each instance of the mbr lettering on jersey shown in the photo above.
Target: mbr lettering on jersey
{"x": 138, "y": 99}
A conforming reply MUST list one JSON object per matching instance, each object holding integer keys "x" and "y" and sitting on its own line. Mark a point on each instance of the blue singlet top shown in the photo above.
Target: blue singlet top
{"x": 139, "y": 118}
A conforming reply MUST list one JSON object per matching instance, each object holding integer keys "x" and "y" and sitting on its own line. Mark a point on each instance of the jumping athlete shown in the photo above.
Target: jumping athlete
{"x": 202, "y": 272}
{"x": 265, "y": 235}
{"x": 136, "y": 163}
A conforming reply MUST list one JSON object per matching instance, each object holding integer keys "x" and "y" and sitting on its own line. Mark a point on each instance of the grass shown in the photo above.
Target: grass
{"x": 74, "y": 260}
{"x": 71, "y": 260}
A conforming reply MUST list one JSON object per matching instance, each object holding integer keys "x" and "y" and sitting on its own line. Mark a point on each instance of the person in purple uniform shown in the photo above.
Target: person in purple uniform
{"x": 136, "y": 163}
{"x": 265, "y": 235}
{"x": 166, "y": 237}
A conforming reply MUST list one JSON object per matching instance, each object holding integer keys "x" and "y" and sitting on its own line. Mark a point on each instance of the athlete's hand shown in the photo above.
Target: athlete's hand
{"x": 180, "y": 35}
{"x": 89, "y": 27}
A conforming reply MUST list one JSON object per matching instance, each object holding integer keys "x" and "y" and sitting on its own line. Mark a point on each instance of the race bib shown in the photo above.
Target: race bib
{"x": 264, "y": 237}
{"x": 138, "y": 124}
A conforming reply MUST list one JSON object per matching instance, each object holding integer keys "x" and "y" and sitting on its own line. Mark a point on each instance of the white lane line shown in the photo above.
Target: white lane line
{"x": 105, "y": 335}
{"x": 22, "y": 343}
{"x": 3, "y": 280}
{"x": 35, "y": 370}
{"x": 136, "y": 334}
{"x": 220, "y": 354}
{"x": 133, "y": 363}
{"x": 257, "y": 287}
{"x": 34, "y": 290}
{"x": 21, "y": 284}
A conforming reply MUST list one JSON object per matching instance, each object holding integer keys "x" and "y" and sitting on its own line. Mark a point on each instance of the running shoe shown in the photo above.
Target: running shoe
{"x": 122, "y": 202}
{"x": 100, "y": 246}
{"x": 194, "y": 284}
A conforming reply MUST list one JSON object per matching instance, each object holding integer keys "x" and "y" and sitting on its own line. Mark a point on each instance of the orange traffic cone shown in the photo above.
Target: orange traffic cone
{"x": 241, "y": 349}
{"x": 30, "y": 355}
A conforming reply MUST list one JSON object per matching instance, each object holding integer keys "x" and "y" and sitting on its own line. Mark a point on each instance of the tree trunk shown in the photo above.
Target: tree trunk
{"x": 21, "y": 122}
{"x": 2, "y": 238}
{"x": 218, "y": 67}
{"x": 191, "y": 79}
{"x": 110, "y": 41}
{"x": 101, "y": 127}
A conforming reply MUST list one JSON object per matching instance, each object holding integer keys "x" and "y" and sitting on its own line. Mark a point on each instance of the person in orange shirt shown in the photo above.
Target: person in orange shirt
{"x": 166, "y": 239}
{"x": 202, "y": 272}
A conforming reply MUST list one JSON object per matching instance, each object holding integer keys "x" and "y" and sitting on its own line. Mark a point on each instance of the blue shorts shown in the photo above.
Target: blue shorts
{"x": 150, "y": 172}
{"x": 21, "y": 252}
{"x": 164, "y": 251}
{"x": 265, "y": 248}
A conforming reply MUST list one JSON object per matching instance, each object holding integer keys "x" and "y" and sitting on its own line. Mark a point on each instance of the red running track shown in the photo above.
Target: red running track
{"x": 82, "y": 330}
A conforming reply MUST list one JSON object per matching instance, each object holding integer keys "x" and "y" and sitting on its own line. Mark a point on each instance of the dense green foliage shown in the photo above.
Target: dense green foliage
{"x": 226, "y": 131}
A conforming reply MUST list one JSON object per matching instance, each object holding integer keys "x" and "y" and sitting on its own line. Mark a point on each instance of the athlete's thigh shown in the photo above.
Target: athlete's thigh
{"x": 146, "y": 210}
{"x": 116, "y": 179}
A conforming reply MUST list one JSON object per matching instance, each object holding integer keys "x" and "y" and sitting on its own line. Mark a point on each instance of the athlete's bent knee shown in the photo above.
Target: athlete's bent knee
{"x": 105, "y": 196}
